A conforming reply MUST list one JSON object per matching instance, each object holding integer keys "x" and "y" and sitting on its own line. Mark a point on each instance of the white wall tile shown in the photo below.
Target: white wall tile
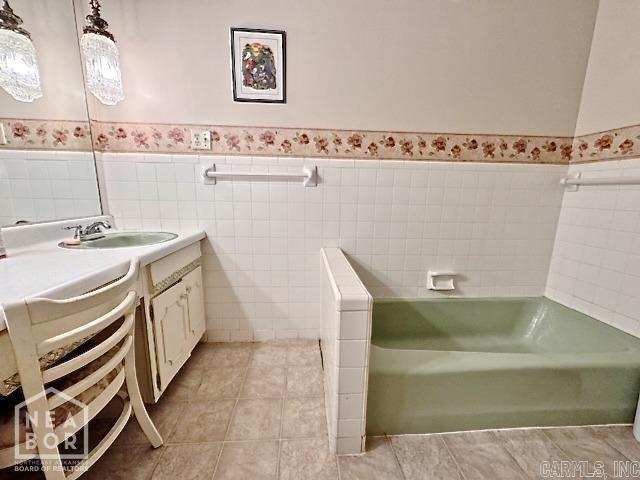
{"x": 595, "y": 264}
{"x": 38, "y": 186}
{"x": 394, "y": 219}
{"x": 350, "y": 428}
{"x": 353, "y": 353}
{"x": 353, "y": 325}
{"x": 350, "y": 406}
{"x": 351, "y": 380}
{"x": 348, "y": 445}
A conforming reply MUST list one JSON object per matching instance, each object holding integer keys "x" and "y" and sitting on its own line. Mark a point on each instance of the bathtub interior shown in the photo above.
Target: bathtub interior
{"x": 458, "y": 364}
{"x": 519, "y": 325}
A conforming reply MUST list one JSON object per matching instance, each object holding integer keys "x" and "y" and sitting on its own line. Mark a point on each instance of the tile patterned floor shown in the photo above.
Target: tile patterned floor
{"x": 256, "y": 411}
{"x": 235, "y": 411}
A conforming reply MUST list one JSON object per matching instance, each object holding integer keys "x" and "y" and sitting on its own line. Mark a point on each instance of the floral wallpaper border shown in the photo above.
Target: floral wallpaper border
{"x": 612, "y": 144}
{"x": 233, "y": 140}
{"x": 237, "y": 140}
{"x": 46, "y": 135}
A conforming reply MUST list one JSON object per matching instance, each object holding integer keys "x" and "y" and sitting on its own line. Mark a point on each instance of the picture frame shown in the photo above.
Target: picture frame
{"x": 258, "y": 65}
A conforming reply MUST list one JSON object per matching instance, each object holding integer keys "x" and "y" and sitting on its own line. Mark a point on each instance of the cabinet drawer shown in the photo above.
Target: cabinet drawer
{"x": 165, "y": 267}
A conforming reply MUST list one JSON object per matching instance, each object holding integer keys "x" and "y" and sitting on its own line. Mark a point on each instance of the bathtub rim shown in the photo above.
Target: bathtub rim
{"x": 433, "y": 362}
{"x": 630, "y": 343}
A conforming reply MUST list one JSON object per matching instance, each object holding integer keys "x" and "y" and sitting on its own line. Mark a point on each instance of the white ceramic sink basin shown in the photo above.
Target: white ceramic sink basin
{"x": 123, "y": 240}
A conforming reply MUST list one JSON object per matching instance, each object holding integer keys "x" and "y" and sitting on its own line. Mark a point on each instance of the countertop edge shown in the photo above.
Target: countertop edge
{"x": 104, "y": 274}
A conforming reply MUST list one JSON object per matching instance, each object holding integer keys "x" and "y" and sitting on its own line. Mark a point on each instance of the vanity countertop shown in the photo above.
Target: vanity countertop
{"x": 44, "y": 269}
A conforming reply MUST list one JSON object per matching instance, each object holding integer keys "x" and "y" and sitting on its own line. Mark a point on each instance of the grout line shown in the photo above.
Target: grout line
{"x": 395, "y": 456}
{"x": 284, "y": 398}
{"x": 188, "y": 443}
{"x": 453, "y": 457}
{"x": 557, "y": 445}
{"x": 155, "y": 467}
{"x": 215, "y": 466}
{"x": 233, "y": 411}
{"x": 618, "y": 450}
{"x": 611, "y": 445}
{"x": 502, "y": 444}
{"x": 280, "y": 439}
{"x": 270, "y": 397}
{"x": 279, "y": 457}
{"x": 271, "y": 439}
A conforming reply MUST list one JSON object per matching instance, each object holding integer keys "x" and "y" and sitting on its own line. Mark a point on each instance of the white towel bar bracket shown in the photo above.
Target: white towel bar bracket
{"x": 309, "y": 176}
{"x": 568, "y": 182}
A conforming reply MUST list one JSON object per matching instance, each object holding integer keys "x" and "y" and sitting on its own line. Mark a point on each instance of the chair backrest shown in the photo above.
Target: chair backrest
{"x": 39, "y": 326}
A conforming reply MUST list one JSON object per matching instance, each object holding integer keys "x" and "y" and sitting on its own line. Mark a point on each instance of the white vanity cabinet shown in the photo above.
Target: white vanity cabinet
{"x": 170, "y": 319}
{"x": 174, "y": 317}
{"x": 195, "y": 306}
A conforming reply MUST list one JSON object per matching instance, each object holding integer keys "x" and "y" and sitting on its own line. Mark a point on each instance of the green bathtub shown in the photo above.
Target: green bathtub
{"x": 458, "y": 364}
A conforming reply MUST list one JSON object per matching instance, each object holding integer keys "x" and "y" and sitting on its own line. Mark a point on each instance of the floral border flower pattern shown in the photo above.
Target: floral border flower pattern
{"x": 46, "y": 135}
{"x": 608, "y": 145}
{"x": 237, "y": 140}
{"x": 233, "y": 140}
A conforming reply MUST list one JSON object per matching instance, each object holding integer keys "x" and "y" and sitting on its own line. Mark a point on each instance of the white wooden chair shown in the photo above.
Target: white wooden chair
{"x": 94, "y": 377}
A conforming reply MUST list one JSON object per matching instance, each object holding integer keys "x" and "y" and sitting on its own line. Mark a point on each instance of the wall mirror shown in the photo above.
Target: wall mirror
{"x": 47, "y": 164}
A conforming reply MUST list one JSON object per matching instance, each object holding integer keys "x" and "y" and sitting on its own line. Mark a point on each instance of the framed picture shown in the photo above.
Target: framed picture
{"x": 258, "y": 65}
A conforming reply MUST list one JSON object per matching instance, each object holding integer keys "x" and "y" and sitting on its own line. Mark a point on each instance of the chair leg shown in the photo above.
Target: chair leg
{"x": 140, "y": 411}
{"x": 43, "y": 431}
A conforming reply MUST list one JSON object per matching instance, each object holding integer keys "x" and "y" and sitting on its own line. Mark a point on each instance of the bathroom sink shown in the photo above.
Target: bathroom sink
{"x": 122, "y": 240}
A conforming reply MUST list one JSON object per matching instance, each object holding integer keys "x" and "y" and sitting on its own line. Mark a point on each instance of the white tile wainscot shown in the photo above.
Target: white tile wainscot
{"x": 493, "y": 223}
{"x": 595, "y": 267}
{"x": 41, "y": 185}
{"x": 346, "y": 336}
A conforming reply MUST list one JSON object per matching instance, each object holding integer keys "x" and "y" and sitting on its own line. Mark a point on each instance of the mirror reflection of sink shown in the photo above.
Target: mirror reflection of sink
{"x": 122, "y": 240}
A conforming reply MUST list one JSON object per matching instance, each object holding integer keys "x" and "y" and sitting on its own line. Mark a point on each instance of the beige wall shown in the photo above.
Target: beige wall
{"x": 52, "y": 27}
{"x": 467, "y": 66}
{"x": 611, "y": 97}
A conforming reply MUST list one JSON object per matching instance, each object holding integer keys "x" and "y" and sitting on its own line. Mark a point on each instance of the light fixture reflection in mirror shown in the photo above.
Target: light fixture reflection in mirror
{"x": 102, "y": 59}
{"x": 19, "y": 74}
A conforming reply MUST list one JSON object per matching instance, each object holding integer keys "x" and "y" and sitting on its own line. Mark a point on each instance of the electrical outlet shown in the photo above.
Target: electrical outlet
{"x": 200, "y": 139}
{"x": 3, "y": 137}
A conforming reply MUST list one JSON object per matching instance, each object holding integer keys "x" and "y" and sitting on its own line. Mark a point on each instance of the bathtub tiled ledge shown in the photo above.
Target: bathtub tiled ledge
{"x": 349, "y": 292}
{"x": 346, "y": 335}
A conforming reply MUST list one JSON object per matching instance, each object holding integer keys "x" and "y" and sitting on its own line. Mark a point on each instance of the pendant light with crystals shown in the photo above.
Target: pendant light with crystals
{"x": 19, "y": 74}
{"x": 102, "y": 59}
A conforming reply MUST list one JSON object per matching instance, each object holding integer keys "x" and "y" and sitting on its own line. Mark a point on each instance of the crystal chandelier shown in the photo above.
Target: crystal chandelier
{"x": 102, "y": 60}
{"x": 19, "y": 75}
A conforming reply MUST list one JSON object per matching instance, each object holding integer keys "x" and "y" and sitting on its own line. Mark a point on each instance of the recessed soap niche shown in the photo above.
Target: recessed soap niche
{"x": 441, "y": 280}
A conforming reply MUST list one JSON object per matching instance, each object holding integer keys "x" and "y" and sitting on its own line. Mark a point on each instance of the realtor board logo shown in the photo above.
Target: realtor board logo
{"x": 66, "y": 427}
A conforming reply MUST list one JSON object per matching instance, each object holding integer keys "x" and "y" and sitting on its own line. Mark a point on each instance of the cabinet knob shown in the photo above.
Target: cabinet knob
{"x": 188, "y": 289}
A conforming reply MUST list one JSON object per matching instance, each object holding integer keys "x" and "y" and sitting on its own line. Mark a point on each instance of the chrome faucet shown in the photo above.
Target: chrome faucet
{"x": 96, "y": 228}
{"x": 90, "y": 232}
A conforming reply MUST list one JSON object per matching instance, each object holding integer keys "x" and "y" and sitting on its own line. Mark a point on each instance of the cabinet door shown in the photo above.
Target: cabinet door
{"x": 170, "y": 323}
{"x": 195, "y": 298}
